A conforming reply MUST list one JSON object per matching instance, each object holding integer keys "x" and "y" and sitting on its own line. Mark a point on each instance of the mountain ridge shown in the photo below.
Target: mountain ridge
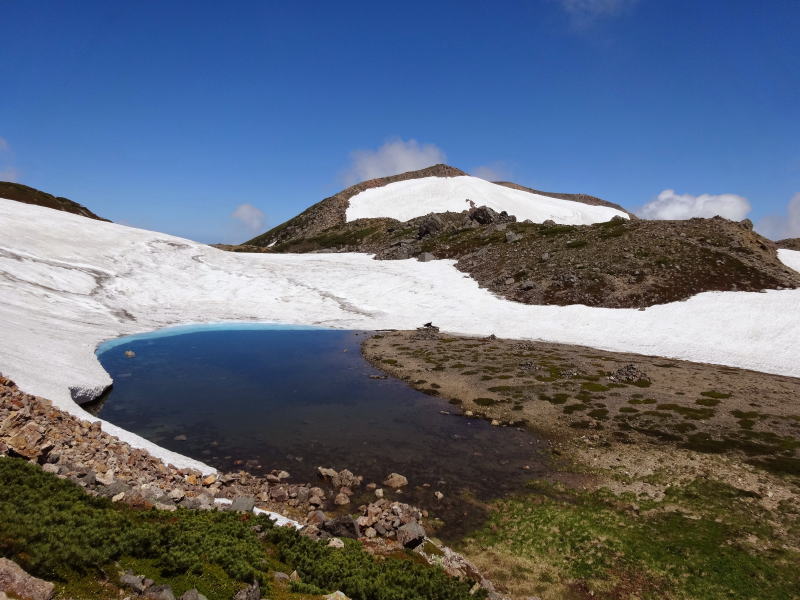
{"x": 29, "y": 195}
{"x": 331, "y": 211}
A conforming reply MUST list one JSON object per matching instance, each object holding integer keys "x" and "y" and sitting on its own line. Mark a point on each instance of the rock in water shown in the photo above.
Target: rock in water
{"x": 395, "y": 480}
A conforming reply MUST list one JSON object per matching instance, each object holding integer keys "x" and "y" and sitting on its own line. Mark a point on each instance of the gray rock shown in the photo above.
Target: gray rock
{"x": 426, "y": 257}
{"x": 411, "y": 534}
{"x": 134, "y": 582}
{"x": 280, "y": 577}
{"x": 243, "y": 504}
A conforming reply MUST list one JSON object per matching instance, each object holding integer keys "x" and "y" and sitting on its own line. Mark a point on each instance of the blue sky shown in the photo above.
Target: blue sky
{"x": 172, "y": 115}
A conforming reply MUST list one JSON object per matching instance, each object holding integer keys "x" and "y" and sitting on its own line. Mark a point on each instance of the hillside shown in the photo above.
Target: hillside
{"x": 333, "y": 211}
{"x": 613, "y": 262}
{"x": 789, "y": 243}
{"x": 28, "y": 195}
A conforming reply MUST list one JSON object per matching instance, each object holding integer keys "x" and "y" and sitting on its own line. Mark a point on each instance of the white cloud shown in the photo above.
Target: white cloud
{"x": 395, "y": 156}
{"x": 251, "y": 217}
{"x": 671, "y": 205}
{"x": 494, "y": 171}
{"x": 7, "y": 171}
{"x": 8, "y": 174}
{"x": 585, "y": 12}
{"x": 778, "y": 227}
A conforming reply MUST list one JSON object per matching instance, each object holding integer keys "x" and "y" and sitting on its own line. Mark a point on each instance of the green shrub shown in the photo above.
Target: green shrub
{"x": 56, "y": 531}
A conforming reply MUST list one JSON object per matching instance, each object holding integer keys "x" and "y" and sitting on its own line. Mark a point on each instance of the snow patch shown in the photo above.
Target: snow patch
{"x": 404, "y": 200}
{"x": 52, "y": 318}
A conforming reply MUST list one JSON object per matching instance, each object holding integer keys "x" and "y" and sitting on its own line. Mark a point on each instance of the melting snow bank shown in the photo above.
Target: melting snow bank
{"x": 68, "y": 283}
{"x": 404, "y": 200}
{"x": 279, "y": 520}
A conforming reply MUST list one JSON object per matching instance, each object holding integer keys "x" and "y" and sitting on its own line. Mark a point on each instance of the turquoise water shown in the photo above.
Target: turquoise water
{"x": 261, "y": 398}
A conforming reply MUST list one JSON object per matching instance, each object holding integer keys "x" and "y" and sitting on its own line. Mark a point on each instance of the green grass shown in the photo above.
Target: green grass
{"x": 57, "y": 532}
{"x": 698, "y": 550}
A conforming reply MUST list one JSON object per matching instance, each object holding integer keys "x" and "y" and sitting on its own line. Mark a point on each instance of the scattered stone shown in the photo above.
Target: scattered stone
{"x": 335, "y": 543}
{"x": 438, "y": 495}
{"x": 180, "y": 438}
{"x": 17, "y": 583}
{"x": 379, "y": 493}
{"x": 244, "y": 504}
{"x": 629, "y": 374}
{"x": 341, "y": 499}
{"x": 337, "y": 595}
{"x": 395, "y": 480}
{"x": 426, "y": 257}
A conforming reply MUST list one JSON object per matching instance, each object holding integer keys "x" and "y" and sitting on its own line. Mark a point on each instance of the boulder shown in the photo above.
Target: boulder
{"x": 243, "y": 504}
{"x": 411, "y": 534}
{"x": 134, "y": 582}
{"x": 337, "y": 595}
{"x": 15, "y": 582}
{"x": 280, "y": 577}
{"x": 395, "y": 480}
{"x": 426, "y": 257}
{"x": 344, "y": 526}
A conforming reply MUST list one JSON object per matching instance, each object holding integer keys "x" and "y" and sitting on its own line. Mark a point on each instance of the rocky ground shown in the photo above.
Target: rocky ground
{"x": 31, "y": 428}
{"x": 619, "y": 264}
{"x": 652, "y": 443}
{"x": 789, "y": 243}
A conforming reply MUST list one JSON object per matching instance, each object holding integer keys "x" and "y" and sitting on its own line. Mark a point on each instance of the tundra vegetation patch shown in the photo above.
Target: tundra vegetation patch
{"x": 57, "y": 532}
{"x": 680, "y": 480}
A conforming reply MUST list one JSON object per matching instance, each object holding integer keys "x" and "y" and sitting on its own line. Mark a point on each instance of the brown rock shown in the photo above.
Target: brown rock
{"x": 17, "y": 583}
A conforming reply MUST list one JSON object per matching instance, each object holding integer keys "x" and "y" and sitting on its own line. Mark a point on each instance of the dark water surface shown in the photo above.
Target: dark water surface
{"x": 275, "y": 399}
